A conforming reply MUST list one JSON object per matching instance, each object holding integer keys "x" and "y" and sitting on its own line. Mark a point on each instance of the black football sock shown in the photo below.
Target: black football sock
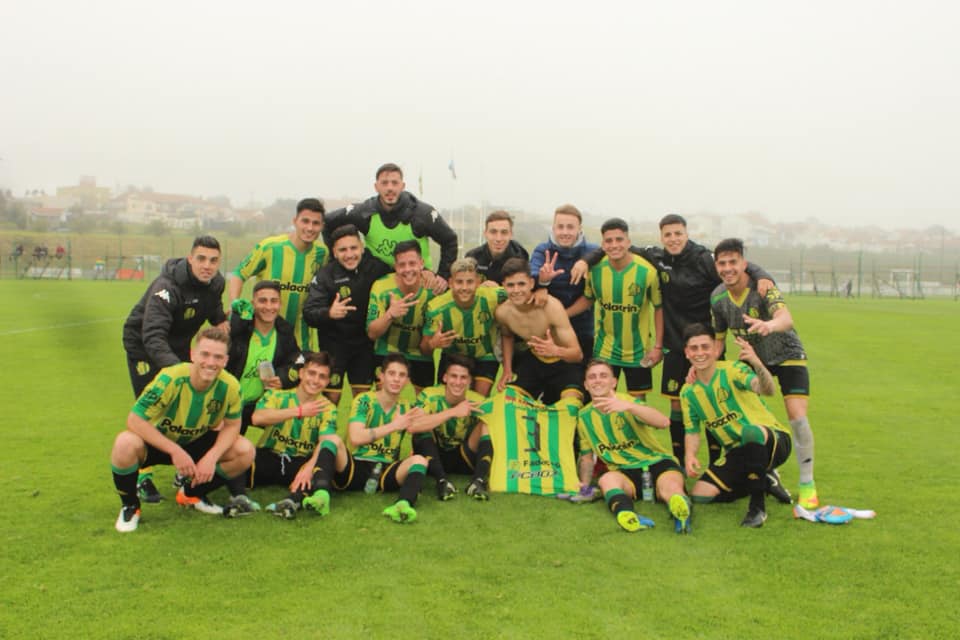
{"x": 125, "y": 480}
{"x": 411, "y": 486}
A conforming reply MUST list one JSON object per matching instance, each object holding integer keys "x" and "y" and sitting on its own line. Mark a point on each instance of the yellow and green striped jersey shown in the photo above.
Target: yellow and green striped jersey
{"x": 454, "y": 431}
{"x": 180, "y": 412}
{"x": 532, "y": 443}
{"x": 275, "y": 258}
{"x": 367, "y": 410}
{"x": 404, "y": 333}
{"x": 296, "y": 436}
{"x": 623, "y": 306}
{"x": 476, "y": 327}
{"x": 621, "y": 440}
{"x": 262, "y": 349}
{"x": 726, "y": 404}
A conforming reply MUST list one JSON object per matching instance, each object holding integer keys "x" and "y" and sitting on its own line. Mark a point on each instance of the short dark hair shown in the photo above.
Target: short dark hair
{"x": 730, "y": 245}
{"x": 389, "y": 168}
{"x": 216, "y": 334}
{"x": 311, "y": 204}
{"x": 497, "y": 216}
{"x": 593, "y": 362}
{"x": 407, "y": 245}
{"x": 321, "y": 358}
{"x": 394, "y": 357}
{"x": 266, "y": 284}
{"x": 569, "y": 210}
{"x": 615, "y": 223}
{"x": 695, "y": 330}
{"x": 460, "y": 360}
{"x": 672, "y": 218}
{"x": 342, "y": 232}
{"x": 205, "y": 241}
{"x": 514, "y": 266}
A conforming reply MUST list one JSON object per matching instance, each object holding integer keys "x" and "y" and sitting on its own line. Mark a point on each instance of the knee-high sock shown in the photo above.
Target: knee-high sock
{"x": 617, "y": 501}
{"x": 803, "y": 446}
{"x": 411, "y": 486}
{"x": 481, "y": 468}
{"x": 426, "y": 446}
{"x": 755, "y": 465}
{"x": 125, "y": 480}
{"x": 677, "y": 435}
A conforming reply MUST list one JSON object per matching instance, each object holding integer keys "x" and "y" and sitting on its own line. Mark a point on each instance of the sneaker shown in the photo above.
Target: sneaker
{"x": 200, "y": 503}
{"x": 128, "y": 520}
{"x": 755, "y": 518}
{"x": 477, "y": 489}
{"x": 680, "y": 510}
{"x": 776, "y": 489}
{"x": 401, "y": 512}
{"x": 286, "y": 509}
{"x": 586, "y": 494}
{"x": 179, "y": 481}
{"x": 808, "y": 496}
{"x": 319, "y": 502}
{"x": 446, "y": 490}
{"x": 630, "y": 521}
{"x": 147, "y": 490}
{"x": 240, "y": 505}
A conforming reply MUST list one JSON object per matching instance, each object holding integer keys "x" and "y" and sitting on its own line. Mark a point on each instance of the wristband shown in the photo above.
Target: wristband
{"x": 300, "y": 411}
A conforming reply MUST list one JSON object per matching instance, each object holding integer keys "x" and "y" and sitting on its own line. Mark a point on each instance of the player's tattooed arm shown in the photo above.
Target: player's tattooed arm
{"x": 763, "y": 382}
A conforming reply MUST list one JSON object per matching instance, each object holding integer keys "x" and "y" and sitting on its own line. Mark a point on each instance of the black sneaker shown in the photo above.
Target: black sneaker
{"x": 446, "y": 490}
{"x": 477, "y": 489}
{"x": 240, "y": 505}
{"x": 776, "y": 489}
{"x": 755, "y": 518}
{"x": 148, "y": 491}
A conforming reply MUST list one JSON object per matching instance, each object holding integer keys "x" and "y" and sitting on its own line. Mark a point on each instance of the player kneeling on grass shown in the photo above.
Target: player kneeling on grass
{"x": 724, "y": 398}
{"x": 378, "y": 421}
{"x": 299, "y": 447}
{"x": 451, "y": 436}
{"x": 618, "y": 428}
{"x": 189, "y": 416}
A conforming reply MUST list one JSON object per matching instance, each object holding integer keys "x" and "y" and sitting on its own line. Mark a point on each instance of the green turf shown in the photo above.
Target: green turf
{"x": 884, "y": 398}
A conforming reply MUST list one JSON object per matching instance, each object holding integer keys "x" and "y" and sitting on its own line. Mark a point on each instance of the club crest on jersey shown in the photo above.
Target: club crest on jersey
{"x": 189, "y": 313}
{"x": 344, "y": 292}
{"x": 483, "y": 317}
{"x": 335, "y": 380}
{"x": 753, "y": 312}
{"x": 664, "y": 277}
{"x": 617, "y": 421}
{"x": 633, "y": 289}
{"x": 143, "y": 367}
{"x": 214, "y": 406}
{"x": 164, "y": 295}
{"x": 723, "y": 395}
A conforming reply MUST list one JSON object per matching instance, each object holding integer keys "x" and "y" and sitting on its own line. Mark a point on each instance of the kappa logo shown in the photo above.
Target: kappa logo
{"x": 164, "y": 295}
{"x": 434, "y": 215}
{"x": 189, "y": 313}
{"x": 214, "y": 406}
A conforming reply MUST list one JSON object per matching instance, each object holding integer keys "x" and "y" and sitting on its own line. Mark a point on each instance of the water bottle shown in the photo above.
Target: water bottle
{"x": 266, "y": 370}
{"x": 374, "y": 479}
{"x": 646, "y": 485}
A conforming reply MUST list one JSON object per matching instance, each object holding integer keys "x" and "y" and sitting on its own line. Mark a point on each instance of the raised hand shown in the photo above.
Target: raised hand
{"x": 340, "y": 308}
{"x": 756, "y": 325}
{"x": 549, "y": 269}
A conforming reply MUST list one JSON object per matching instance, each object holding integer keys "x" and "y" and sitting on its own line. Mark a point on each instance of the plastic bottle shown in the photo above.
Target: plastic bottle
{"x": 646, "y": 489}
{"x": 374, "y": 479}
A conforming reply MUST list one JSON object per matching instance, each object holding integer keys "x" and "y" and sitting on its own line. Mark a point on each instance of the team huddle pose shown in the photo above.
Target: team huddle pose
{"x": 530, "y": 348}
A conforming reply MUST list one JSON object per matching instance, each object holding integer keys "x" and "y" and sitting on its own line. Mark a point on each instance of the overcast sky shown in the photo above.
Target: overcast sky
{"x": 844, "y": 111}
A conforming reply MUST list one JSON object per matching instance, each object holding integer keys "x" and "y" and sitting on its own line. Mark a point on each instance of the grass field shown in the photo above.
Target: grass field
{"x": 516, "y": 567}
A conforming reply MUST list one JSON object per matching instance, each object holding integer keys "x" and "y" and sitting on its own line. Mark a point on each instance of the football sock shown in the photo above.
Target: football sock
{"x": 145, "y": 472}
{"x": 677, "y": 435}
{"x": 755, "y": 455}
{"x": 618, "y": 501}
{"x": 238, "y": 484}
{"x": 411, "y": 486}
{"x": 426, "y": 446}
{"x": 125, "y": 480}
{"x": 803, "y": 446}
{"x": 481, "y": 469}
{"x": 713, "y": 447}
{"x": 325, "y": 467}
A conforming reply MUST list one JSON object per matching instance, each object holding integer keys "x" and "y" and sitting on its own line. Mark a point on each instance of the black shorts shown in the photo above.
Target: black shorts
{"x": 793, "y": 378}
{"x": 354, "y": 477}
{"x": 142, "y": 373}
{"x": 535, "y": 376}
{"x": 195, "y": 449}
{"x": 458, "y": 460}
{"x": 482, "y": 369}
{"x": 639, "y": 379}
{"x": 421, "y": 371}
{"x": 674, "y": 371}
{"x": 353, "y": 358}
{"x": 271, "y": 468}
{"x": 729, "y": 472}
{"x": 636, "y": 475}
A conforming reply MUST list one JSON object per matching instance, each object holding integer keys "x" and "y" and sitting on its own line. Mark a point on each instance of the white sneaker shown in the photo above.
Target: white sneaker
{"x": 200, "y": 503}
{"x": 128, "y": 519}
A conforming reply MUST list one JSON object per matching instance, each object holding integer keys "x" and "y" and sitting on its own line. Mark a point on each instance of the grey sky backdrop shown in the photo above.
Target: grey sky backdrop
{"x": 844, "y": 111}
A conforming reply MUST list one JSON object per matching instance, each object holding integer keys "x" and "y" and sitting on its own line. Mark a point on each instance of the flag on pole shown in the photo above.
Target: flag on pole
{"x": 453, "y": 170}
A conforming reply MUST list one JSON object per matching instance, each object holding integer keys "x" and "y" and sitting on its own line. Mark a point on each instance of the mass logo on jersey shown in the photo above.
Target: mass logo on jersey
{"x": 214, "y": 406}
{"x": 189, "y": 312}
{"x": 164, "y": 295}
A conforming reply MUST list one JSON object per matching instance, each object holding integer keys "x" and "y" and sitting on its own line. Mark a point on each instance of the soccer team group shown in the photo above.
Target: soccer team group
{"x": 350, "y": 297}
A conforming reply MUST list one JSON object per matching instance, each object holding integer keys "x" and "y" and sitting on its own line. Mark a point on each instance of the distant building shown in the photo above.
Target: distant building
{"x": 86, "y": 193}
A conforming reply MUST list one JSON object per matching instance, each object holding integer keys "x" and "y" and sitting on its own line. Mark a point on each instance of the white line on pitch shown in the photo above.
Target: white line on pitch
{"x": 58, "y": 326}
